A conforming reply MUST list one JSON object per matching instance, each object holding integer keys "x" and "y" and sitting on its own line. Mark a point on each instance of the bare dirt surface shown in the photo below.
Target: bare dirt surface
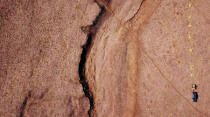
{"x": 139, "y": 64}
{"x": 41, "y": 43}
{"x": 104, "y": 58}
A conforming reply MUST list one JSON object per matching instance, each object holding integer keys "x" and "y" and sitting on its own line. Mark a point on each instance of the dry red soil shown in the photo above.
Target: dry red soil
{"x": 104, "y": 58}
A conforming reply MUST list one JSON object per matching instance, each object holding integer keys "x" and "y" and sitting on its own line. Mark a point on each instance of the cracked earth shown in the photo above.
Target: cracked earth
{"x": 104, "y": 58}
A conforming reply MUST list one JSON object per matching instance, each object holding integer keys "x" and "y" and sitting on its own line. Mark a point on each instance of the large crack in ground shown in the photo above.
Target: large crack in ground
{"x": 23, "y": 106}
{"x": 91, "y": 32}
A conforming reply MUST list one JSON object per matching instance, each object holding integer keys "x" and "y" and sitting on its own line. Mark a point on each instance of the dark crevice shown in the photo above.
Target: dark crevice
{"x": 86, "y": 49}
{"x": 82, "y": 76}
{"x": 23, "y": 106}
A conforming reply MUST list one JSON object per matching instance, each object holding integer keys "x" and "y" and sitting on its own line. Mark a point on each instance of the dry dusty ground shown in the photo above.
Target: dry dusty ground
{"x": 139, "y": 64}
{"x": 114, "y": 58}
